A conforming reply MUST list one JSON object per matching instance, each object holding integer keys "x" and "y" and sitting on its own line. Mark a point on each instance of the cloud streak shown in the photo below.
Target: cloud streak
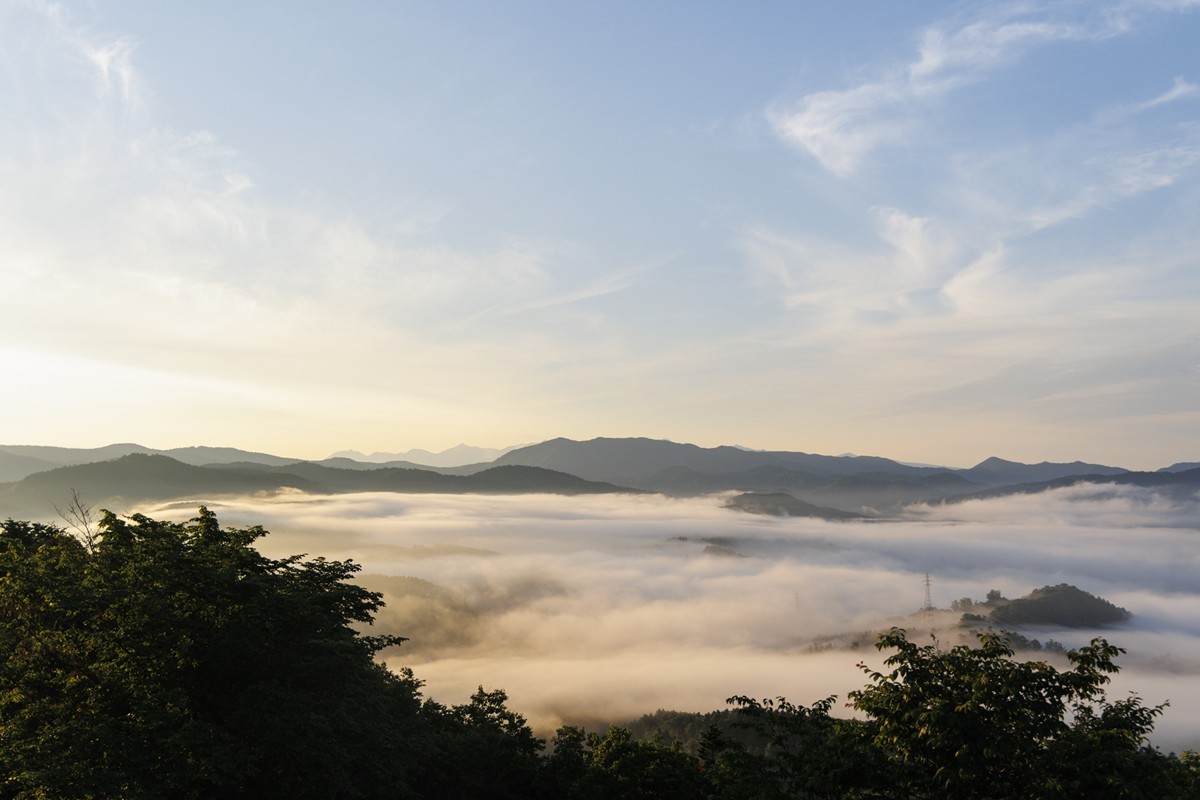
{"x": 840, "y": 128}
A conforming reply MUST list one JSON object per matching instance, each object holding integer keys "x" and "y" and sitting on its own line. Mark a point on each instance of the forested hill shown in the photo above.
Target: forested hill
{"x": 137, "y": 478}
{"x": 1061, "y": 605}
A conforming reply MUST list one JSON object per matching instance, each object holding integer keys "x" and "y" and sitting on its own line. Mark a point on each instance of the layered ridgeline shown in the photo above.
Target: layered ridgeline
{"x": 135, "y": 478}
{"x": 868, "y": 485}
{"x": 782, "y": 483}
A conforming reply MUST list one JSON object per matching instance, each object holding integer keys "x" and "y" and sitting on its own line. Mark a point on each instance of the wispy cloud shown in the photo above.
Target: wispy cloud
{"x": 893, "y": 274}
{"x": 1119, "y": 176}
{"x": 841, "y": 127}
{"x": 114, "y": 70}
{"x": 108, "y": 59}
{"x": 1180, "y": 90}
{"x": 610, "y": 282}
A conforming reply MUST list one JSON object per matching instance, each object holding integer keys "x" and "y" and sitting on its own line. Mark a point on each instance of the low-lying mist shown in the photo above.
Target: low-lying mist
{"x": 602, "y": 608}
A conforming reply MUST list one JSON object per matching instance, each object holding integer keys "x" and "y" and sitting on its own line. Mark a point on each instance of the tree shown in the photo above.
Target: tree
{"x": 975, "y": 723}
{"x": 174, "y": 660}
{"x": 799, "y": 752}
{"x": 591, "y": 766}
{"x": 80, "y": 519}
{"x": 481, "y": 748}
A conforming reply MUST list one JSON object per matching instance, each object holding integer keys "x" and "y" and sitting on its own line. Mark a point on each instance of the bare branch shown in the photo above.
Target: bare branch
{"x": 80, "y": 519}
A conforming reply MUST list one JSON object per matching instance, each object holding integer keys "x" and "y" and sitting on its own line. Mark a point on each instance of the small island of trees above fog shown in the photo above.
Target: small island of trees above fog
{"x": 1062, "y": 605}
{"x": 772, "y": 482}
{"x": 145, "y": 658}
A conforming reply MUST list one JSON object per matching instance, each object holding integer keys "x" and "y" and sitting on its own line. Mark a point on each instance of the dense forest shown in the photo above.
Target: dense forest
{"x": 152, "y": 659}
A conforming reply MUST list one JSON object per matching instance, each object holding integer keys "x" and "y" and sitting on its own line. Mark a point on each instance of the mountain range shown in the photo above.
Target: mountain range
{"x": 457, "y": 456}
{"x": 37, "y": 477}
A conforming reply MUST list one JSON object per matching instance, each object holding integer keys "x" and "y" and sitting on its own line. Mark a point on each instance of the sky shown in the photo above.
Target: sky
{"x": 930, "y": 231}
{"x": 602, "y": 608}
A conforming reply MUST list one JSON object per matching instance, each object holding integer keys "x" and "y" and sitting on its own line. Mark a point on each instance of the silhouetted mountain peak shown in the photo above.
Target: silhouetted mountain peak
{"x": 997, "y": 471}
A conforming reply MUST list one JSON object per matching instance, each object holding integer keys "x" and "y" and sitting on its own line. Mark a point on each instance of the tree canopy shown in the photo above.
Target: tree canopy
{"x": 973, "y": 722}
{"x": 175, "y": 660}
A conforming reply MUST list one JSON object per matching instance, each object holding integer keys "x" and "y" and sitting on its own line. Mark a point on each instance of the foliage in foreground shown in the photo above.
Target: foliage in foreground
{"x": 159, "y": 659}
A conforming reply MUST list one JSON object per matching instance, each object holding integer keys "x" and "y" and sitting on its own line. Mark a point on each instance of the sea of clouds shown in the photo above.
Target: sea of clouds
{"x": 601, "y": 608}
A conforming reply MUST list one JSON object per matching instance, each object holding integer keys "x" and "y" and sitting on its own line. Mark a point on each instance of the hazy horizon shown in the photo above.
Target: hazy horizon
{"x": 440, "y": 457}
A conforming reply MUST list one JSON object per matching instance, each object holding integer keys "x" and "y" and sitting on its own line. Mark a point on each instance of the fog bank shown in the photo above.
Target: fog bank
{"x": 607, "y": 607}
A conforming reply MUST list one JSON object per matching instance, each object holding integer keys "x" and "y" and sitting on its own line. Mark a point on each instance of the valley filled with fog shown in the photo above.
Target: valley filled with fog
{"x": 602, "y": 608}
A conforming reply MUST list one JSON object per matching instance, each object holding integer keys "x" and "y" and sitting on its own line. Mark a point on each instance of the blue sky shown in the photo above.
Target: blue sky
{"x": 929, "y": 231}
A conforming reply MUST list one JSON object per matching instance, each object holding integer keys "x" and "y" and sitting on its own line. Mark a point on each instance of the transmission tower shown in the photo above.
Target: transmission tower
{"x": 928, "y": 609}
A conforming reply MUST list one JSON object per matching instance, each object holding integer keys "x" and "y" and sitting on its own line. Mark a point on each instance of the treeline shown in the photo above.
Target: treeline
{"x": 149, "y": 659}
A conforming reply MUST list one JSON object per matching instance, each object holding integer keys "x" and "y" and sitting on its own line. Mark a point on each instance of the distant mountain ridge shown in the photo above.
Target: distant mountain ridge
{"x": 135, "y": 477}
{"x": 12, "y": 456}
{"x": 19, "y": 461}
{"x": 858, "y": 484}
{"x": 640, "y": 458}
{"x": 142, "y": 477}
{"x": 458, "y": 456}
{"x": 1185, "y": 481}
{"x": 997, "y": 471}
{"x": 870, "y": 485}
